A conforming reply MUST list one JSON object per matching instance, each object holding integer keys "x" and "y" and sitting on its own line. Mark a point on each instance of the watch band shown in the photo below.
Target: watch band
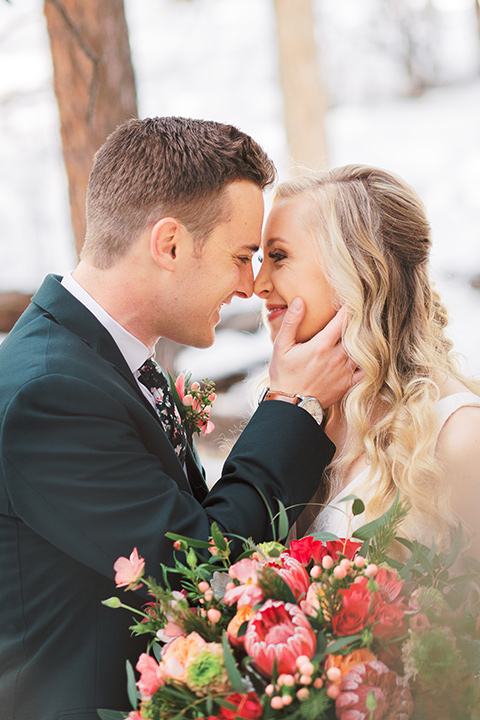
{"x": 277, "y": 395}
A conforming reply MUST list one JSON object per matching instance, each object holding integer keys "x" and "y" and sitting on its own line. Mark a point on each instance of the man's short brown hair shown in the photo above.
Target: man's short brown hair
{"x": 159, "y": 167}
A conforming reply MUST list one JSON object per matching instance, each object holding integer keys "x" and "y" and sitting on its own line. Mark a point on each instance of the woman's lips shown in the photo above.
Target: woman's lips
{"x": 275, "y": 311}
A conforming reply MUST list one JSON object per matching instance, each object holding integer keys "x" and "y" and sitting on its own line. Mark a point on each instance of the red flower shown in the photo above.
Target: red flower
{"x": 279, "y": 633}
{"x": 335, "y": 548}
{"x": 247, "y": 706}
{"x": 356, "y": 612}
{"x": 307, "y": 549}
{"x": 392, "y": 694}
{"x": 293, "y": 572}
{"x": 390, "y": 621}
{"x": 350, "y": 620}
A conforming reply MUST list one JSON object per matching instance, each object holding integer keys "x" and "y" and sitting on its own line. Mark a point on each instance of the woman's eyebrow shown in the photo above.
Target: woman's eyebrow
{"x": 273, "y": 240}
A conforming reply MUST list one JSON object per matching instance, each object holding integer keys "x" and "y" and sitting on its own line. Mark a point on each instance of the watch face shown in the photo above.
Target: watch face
{"x": 312, "y": 406}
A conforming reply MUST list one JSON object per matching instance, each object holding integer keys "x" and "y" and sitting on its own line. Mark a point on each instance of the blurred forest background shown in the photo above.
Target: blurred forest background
{"x": 318, "y": 83}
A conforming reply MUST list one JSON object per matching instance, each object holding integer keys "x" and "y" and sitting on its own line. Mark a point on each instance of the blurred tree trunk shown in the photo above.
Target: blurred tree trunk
{"x": 12, "y": 305}
{"x": 305, "y": 103}
{"x": 94, "y": 85}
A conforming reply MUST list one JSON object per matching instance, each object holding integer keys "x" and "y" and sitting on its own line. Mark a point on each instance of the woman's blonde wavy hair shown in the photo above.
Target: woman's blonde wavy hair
{"x": 374, "y": 241}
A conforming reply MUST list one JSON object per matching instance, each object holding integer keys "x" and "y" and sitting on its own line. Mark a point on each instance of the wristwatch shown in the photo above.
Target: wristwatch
{"x": 310, "y": 404}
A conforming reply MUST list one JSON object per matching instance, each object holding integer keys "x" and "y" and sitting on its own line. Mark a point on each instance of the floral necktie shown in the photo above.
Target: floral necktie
{"x": 152, "y": 376}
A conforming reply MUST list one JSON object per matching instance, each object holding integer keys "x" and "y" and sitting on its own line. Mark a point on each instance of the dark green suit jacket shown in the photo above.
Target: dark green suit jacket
{"x": 86, "y": 475}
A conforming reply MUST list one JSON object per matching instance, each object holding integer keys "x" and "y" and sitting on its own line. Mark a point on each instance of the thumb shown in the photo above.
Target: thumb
{"x": 286, "y": 338}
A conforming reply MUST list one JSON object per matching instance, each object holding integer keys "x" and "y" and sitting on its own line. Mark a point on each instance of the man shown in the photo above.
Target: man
{"x": 89, "y": 468}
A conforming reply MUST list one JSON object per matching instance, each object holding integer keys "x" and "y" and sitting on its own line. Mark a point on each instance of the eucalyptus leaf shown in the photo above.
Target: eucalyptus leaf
{"x": 111, "y": 714}
{"x": 231, "y": 667}
{"x": 358, "y": 507}
{"x": 342, "y": 642}
{"x": 366, "y": 532}
{"x": 325, "y": 536}
{"x": 132, "y": 690}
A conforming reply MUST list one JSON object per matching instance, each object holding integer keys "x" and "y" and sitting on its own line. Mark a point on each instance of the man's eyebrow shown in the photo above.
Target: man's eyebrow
{"x": 253, "y": 248}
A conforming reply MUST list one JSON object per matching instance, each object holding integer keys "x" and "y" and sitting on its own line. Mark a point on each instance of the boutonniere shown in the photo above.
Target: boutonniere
{"x": 194, "y": 401}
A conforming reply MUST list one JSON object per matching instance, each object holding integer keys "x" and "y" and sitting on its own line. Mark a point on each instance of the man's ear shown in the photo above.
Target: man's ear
{"x": 165, "y": 237}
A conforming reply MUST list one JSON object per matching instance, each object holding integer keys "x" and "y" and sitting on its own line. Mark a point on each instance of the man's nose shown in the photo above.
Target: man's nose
{"x": 262, "y": 284}
{"x": 245, "y": 287}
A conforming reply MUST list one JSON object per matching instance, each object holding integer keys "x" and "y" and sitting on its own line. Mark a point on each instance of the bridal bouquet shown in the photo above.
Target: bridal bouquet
{"x": 328, "y": 628}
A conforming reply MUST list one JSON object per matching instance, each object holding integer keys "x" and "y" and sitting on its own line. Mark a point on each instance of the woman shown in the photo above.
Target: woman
{"x": 359, "y": 236}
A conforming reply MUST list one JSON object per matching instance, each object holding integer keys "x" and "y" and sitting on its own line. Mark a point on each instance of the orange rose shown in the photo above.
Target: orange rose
{"x": 244, "y": 613}
{"x": 346, "y": 662}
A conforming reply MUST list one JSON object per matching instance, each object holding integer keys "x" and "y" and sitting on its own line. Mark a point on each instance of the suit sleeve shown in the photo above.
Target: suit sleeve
{"x": 79, "y": 474}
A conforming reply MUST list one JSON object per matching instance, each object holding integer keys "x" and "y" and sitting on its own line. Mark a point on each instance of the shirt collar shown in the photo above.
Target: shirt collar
{"x": 132, "y": 349}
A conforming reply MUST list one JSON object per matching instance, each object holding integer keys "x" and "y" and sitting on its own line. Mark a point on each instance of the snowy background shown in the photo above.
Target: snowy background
{"x": 218, "y": 59}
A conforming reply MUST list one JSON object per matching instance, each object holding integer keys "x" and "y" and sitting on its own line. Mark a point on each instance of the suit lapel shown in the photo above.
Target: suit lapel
{"x": 195, "y": 473}
{"x": 54, "y": 299}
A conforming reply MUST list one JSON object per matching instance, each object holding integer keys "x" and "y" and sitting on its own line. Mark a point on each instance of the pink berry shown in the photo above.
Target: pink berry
{"x": 333, "y": 691}
{"x": 327, "y": 562}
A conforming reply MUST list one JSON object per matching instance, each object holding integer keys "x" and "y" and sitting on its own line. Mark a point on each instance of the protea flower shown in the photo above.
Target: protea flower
{"x": 392, "y": 694}
{"x": 279, "y": 632}
{"x": 294, "y": 574}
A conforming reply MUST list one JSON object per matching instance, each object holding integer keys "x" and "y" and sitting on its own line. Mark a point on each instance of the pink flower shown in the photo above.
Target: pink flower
{"x": 150, "y": 676}
{"x": 187, "y": 400}
{"x": 248, "y": 592}
{"x": 129, "y": 571}
{"x": 279, "y": 633}
{"x": 208, "y": 428}
{"x": 389, "y": 584}
{"x": 293, "y": 572}
{"x": 180, "y": 385}
{"x": 420, "y": 622}
{"x": 392, "y": 694}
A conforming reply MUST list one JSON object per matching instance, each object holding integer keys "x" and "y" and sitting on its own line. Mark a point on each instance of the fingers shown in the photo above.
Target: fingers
{"x": 332, "y": 332}
{"x": 286, "y": 338}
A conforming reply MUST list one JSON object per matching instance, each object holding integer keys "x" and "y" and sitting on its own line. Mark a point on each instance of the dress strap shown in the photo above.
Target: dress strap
{"x": 451, "y": 403}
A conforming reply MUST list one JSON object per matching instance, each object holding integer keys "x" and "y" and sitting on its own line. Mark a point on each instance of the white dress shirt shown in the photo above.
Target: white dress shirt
{"x": 132, "y": 349}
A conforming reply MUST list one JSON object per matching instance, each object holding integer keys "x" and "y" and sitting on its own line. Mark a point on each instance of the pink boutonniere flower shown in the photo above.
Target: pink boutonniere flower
{"x": 194, "y": 401}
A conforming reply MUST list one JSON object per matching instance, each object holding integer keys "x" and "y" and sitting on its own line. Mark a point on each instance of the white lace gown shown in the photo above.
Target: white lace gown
{"x": 335, "y": 517}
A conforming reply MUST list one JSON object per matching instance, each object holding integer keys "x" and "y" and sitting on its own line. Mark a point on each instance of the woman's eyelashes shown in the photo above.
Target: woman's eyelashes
{"x": 276, "y": 256}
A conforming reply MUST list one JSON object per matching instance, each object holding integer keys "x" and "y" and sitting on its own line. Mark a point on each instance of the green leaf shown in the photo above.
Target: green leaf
{"x": 325, "y": 536}
{"x": 231, "y": 666}
{"x": 358, "y": 507}
{"x": 270, "y": 514}
{"x": 366, "y": 532}
{"x": 176, "y": 397}
{"x": 283, "y": 524}
{"x": 455, "y": 548}
{"x": 217, "y": 537}
{"x": 342, "y": 642}
{"x": 190, "y": 541}
{"x": 111, "y": 714}
{"x": 470, "y": 650}
{"x": 132, "y": 691}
